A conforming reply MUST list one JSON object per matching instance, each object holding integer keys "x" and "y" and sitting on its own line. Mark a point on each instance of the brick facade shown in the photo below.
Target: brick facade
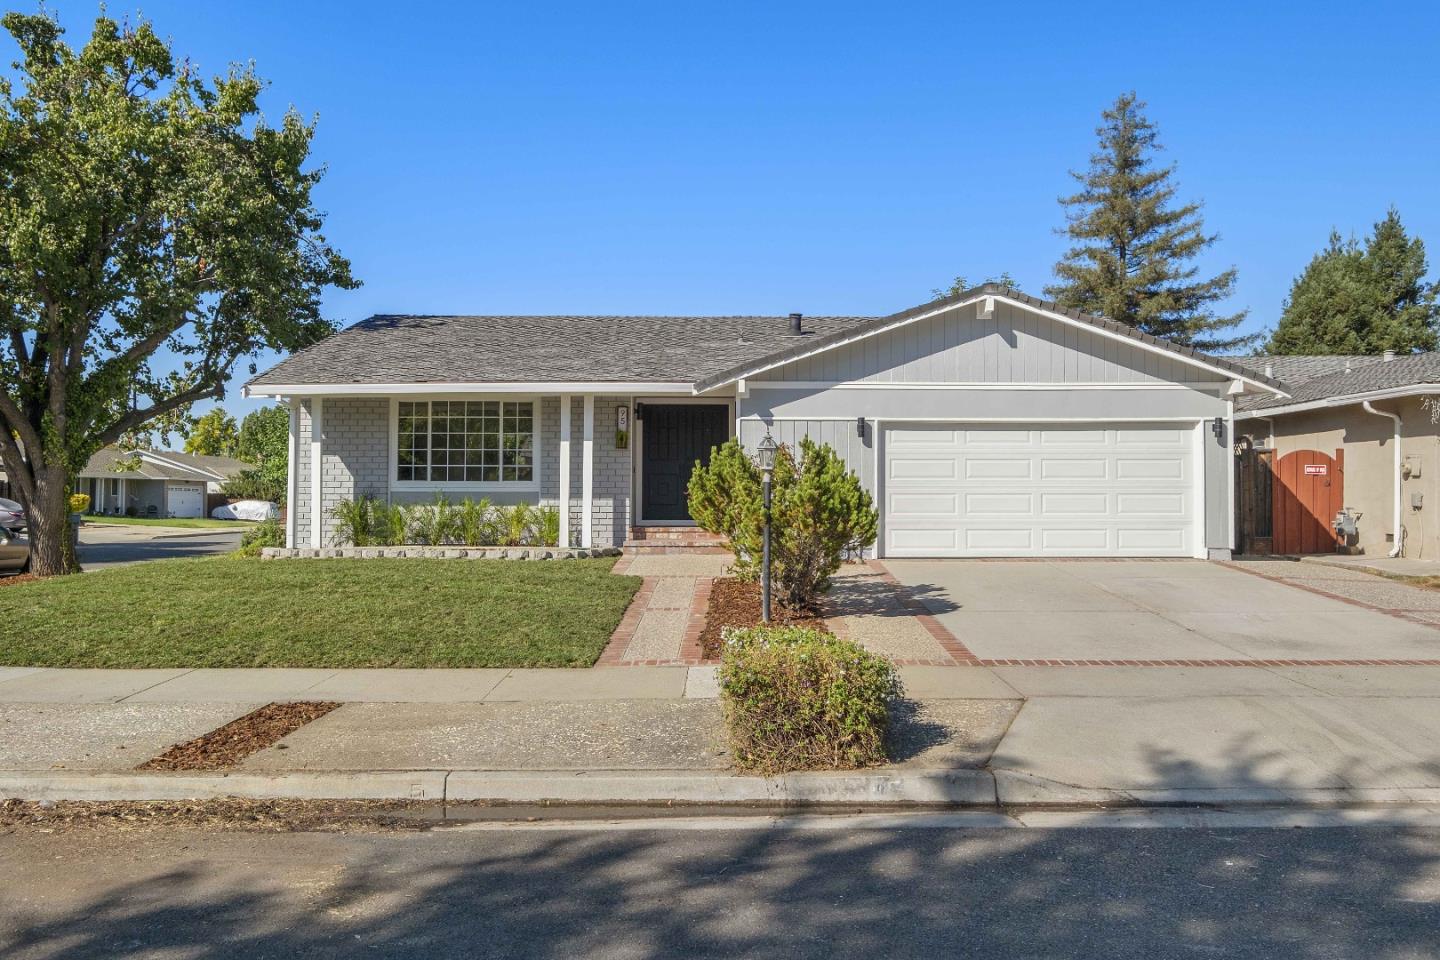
{"x": 356, "y": 461}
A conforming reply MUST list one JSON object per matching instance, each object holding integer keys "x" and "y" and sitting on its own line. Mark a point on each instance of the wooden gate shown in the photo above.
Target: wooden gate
{"x": 1309, "y": 489}
{"x": 1254, "y": 500}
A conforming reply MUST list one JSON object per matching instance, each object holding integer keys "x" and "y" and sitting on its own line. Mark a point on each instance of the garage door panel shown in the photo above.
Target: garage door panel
{"x": 1075, "y": 504}
{"x": 996, "y": 438}
{"x": 925, "y": 505}
{"x": 1045, "y": 489}
{"x": 1152, "y": 437}
{"x": 981, "y": 505}
{"x": 940, "y": 541}
{"x": 978, "y": 469}
{"x": 1153, "y": 504}
{"x": 1011, "y": 538}
{"x": 1078, "y": 540}
{"x": 1145, "y": 539}
{"x": 1160, "y": 468}
{"x": 1073, "y": 468}
{"x": 898, "y": 437}
{"x": 914, "y": 468}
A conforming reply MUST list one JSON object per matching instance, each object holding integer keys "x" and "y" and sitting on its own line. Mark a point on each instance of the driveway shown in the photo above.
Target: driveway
{"x": 106, "y": 546}
{"x": 1168, "y": 610}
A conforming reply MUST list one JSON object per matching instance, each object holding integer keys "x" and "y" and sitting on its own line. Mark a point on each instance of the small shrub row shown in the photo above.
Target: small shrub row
{"x": 799, "y": 699}
{"x": 267, "y": 533}
{"x": 371, "y": 522}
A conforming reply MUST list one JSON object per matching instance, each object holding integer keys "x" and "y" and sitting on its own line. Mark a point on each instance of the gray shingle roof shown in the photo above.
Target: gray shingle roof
{"x": 510, "y": 349}
{"x": 186, "y": 466}
{"x": 1376, "y": 374}
{"x": 704, "y": 351}
{"x": 1294, "y": 369}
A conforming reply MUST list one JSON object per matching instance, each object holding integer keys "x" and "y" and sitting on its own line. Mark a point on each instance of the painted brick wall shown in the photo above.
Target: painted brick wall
{"x": 356, "y": 461}
{"x": 355, "y": 453}
{"x": 301, "y": 506}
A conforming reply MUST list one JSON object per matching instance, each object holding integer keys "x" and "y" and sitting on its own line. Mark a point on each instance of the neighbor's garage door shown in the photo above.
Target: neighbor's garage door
{"x": 1111, "y": 490}
{"x": 186, "y": 500}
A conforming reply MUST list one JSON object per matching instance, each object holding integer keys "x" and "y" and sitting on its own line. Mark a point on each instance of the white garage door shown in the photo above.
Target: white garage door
{"x": 1086, "y": 490}
{"x": 186, "y": 500}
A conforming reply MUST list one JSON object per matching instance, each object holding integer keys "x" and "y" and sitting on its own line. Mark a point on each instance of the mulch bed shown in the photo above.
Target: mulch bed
{"x": 18, "y": 578}
{"x": 228, "y": 745}
{"x": 232, "y": 813}
{"x": 735, "y": 603}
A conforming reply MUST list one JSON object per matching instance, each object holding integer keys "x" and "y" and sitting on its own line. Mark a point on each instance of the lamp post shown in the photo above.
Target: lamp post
{"x": 766, "y": 451}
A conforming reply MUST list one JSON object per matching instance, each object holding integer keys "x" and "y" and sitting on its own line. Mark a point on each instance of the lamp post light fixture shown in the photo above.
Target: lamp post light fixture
{"x": 766, "y": 451}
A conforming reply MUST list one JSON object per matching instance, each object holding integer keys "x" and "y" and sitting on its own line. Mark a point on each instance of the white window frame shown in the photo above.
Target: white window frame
{"x": 519, "y": 486}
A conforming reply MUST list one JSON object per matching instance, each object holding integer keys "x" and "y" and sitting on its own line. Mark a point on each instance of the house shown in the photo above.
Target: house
{"x": 156, "y": 483}
{"x": 988, "y": 423}
{"x": 1358, "y": 434}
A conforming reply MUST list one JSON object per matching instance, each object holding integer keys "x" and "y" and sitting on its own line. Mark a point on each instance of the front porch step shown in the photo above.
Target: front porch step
{"x": 674, "y": 540}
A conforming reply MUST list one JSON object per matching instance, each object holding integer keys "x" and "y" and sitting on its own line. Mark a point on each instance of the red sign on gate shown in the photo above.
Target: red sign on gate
{"x": 1317, "y": 469}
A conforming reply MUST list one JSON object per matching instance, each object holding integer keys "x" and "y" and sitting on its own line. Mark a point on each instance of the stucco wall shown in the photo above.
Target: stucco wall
{"x": 1369, "y": 466}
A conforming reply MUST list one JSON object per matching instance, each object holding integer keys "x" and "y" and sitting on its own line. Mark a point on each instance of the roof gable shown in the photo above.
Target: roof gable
{"x": 1004, "y": 344}
{"x": 986, "y": 295}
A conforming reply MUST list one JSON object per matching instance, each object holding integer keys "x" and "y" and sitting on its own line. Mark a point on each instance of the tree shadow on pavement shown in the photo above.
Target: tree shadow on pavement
{"x": 777, "y": 892}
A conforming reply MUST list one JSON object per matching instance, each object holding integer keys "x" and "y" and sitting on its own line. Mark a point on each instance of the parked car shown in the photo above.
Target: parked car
{"x": 14, "y": 552}
{"x": 12, "y": 515}
{"x": 246, "y": 510}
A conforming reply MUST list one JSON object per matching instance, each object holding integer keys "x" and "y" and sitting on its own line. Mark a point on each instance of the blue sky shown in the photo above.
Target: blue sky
{"x": 815, "y": 157}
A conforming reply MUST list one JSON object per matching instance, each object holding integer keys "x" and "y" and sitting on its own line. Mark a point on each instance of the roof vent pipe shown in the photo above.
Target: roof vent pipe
{"x": 795, "y": 328}
{"x": 1388, "y": 355}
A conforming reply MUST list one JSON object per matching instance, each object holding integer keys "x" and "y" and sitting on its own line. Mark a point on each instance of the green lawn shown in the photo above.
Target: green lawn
{"x": 235, "y": 612}
{"x": 192, "y": 522}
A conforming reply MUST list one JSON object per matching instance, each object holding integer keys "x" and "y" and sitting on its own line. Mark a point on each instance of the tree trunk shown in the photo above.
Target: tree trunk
{"x": 51, "y": 553}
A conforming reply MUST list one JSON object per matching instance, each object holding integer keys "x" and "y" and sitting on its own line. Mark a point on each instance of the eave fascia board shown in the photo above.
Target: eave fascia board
{"x": 989, "y": 298}
{"x": 418, "y": 389}
{"x": 1330, "y": 403}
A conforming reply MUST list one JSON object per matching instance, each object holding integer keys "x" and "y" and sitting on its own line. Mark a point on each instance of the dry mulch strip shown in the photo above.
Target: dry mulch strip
{"x": 232, "y": 813}
{"x": 228, "y": 745}
{"x": 18, "y": 578}
{"x": 735, "y": 603}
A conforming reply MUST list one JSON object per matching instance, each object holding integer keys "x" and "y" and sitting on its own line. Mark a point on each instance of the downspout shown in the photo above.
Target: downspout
{"x": 1399, "y": 464}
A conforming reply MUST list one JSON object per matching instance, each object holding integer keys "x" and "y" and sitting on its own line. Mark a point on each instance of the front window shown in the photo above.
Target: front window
{"x": 466, "y": 441}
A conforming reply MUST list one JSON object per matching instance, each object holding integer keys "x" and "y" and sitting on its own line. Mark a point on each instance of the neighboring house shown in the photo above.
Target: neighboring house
{"x": 1378, "y": 414}
{"x": 155, "y": 483}
{"x": 988, "y": 423}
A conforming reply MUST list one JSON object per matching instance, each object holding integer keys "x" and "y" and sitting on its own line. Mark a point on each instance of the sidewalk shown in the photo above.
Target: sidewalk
{"x": 971, "y": 736}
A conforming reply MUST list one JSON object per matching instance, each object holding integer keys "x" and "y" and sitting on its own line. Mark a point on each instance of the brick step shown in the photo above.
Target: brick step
{"x": 653, "y": 540}
{"x": 673, "y": 534}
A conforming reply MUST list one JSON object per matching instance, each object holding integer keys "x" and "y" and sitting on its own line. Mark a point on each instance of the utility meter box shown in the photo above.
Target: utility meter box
{"x": 1417, "y": 501}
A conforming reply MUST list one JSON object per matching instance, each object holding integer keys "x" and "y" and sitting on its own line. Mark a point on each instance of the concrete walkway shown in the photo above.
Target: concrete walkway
{"x": 663, "y": 624}
{"x": 1381, "y": 564}
{"x": 1025, "y": 734}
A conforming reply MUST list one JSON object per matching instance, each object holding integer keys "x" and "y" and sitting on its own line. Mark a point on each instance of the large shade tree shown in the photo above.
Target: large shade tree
{"x": 155, "y": 230}
{"x": 1135, "y": 245}
{"x": 1362, "y": 299}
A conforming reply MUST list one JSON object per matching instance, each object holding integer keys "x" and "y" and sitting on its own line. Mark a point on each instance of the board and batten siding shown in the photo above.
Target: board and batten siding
{"x": 1013, "y": 346}
{"x": 1017, "y": 366}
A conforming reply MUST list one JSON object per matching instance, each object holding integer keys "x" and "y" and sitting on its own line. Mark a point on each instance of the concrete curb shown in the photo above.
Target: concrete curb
{"x": 888, "y": 789}
{"x": 383, "y": 785}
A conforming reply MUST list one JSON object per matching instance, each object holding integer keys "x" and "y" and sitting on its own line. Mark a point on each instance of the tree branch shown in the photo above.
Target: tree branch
{"x": 137, "y": 417}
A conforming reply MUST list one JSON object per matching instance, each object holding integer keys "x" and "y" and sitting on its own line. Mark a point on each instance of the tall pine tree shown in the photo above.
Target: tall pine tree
{"x": 1354, "y": 299}
{"x": 1133, "y": 252}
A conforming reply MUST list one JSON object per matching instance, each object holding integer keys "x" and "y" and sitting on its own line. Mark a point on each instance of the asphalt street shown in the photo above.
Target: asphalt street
{"x": 650, "y": 890}
{"x": 107, "y": 546}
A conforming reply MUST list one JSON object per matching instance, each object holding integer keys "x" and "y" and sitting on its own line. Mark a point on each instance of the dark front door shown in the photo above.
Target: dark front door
{"x": 676, "y": 435}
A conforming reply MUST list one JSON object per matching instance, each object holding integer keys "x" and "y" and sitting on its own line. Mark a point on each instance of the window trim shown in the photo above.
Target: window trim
{"x": 498, "y": 486}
